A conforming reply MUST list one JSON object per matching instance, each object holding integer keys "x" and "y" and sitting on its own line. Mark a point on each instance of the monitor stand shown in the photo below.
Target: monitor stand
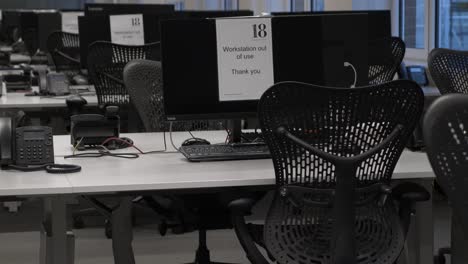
{"x": 239, "y": 138}
{"x": 234, "y": 126}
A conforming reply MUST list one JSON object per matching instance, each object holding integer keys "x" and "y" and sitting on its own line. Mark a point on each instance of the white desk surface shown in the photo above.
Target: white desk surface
{"x": 15, "y": 183}
{"x": 173, "y": 171}
{"x": 162, "y": 171}
{"x": 18, "y": 100}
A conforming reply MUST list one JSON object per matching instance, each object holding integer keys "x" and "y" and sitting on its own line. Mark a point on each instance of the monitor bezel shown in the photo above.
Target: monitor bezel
{"x": 246, "y": 114}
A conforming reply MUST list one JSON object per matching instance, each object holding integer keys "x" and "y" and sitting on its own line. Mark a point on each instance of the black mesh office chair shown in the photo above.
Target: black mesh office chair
{"x": 106, "y": 62}
{"x": 385, "y": 70}
{"x": 334, "y": 151}
{"x": 445, "y": 130}
{"x": 64, "y": 49}
{"x": 143, "y": 79}
{"x": 449, "y": 70}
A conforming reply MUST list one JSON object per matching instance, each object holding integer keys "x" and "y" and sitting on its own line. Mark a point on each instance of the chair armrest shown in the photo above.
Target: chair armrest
{"x": 115, "y": 79}
{"x": 410, "y": 192}
{"x": 64, "y": 55}
{"x": 240, "y": 208}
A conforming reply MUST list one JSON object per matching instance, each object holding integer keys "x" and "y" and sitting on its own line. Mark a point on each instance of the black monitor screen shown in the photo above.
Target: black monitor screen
{"x": 190, "y": 72}
{"x": 314, "y": 52}
{"x": 11, "y": 25}
{"x": 36, "y": 26}
{"x": 89, "y": 33}
{"x": 194, "y": 14}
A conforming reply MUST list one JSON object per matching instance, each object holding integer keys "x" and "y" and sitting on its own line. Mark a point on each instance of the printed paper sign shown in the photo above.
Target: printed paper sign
{"x": 127, "y": 29}
{"x": 245, "y": 58}
{"x": 70, "y": 21}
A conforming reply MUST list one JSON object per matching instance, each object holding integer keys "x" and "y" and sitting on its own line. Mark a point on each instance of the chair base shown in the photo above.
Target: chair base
{"x": 203, "y": 257}
{"x": 203, "y": 254}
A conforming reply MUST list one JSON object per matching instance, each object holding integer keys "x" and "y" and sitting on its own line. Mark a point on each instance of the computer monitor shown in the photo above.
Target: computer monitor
{"x": 194, "y": 14}
{"x": 10, "y": 30}
{"x": 36, "y": 26}
{"x": 379, "y": 24}
{"x": 311, "y": 49}
{"x": 89, "y": 33}
{"x": 115, "y": 9}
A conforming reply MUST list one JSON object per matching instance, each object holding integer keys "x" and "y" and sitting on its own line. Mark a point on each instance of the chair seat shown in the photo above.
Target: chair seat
{"x": 304, "y": 235}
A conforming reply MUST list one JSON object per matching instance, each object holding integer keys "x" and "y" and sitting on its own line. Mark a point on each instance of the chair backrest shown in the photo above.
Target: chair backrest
{"x": 144, "y": 85}
{"x": 351, "y": 142}
{"x": 445, "y": 133}
{"x": 143, "y": 79}
{"x": 343, "y": 122}
{"x": 106, "y": 62}
{"x": 385, "y": 71}
{"x": 449, "y": 70}
{"x": 64, "y": 49}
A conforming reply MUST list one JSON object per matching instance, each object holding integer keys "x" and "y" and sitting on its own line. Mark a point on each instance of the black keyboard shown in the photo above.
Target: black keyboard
{"x": 225, "y": 152}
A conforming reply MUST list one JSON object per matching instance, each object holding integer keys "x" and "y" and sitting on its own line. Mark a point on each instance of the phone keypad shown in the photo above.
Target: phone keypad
{"x": 34, "y": 151}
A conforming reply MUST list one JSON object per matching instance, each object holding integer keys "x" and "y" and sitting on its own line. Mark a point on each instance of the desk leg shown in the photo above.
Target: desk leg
{"x": 419, "y": 247}
{"x": 122, "y": 232}
{"x": 57, "y": 244}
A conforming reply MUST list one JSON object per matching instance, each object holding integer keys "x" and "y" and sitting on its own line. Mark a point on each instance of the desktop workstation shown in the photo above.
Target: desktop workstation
{"x": 169, "y": 161}
{"x": 41, "y": 84}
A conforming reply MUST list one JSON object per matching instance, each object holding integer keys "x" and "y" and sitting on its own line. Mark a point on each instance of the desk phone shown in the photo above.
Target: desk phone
{"x": 26, "y": 145}
{"x": 29, "y": 148}
{"x": 34, "y": 145}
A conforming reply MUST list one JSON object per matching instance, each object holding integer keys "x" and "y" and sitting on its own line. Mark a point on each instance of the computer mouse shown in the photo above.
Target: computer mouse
{"x": 79, "y": 80}
{"x": 195, "y": 141}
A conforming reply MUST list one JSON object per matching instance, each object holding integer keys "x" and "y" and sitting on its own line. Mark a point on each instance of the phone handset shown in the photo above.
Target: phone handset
{"x": 42, "y": 81}
{"x": 6, "y": 138}
{"x": 347, "y": 64}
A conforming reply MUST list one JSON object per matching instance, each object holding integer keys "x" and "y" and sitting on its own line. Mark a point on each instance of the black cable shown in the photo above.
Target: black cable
{"x": 101, "y": 153}
{"x": 190, "y": 132}
{"x": 170, "y": 137}
{"x": 66, "y": 56}
{"x": 124, "y": 141}
{"x": 27, "y": 168}
{"x": 154, "y": 152}
{"x": 62, "y": 168}
{"x": 165, "y": 143}
{"x": 50, "y": 168}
